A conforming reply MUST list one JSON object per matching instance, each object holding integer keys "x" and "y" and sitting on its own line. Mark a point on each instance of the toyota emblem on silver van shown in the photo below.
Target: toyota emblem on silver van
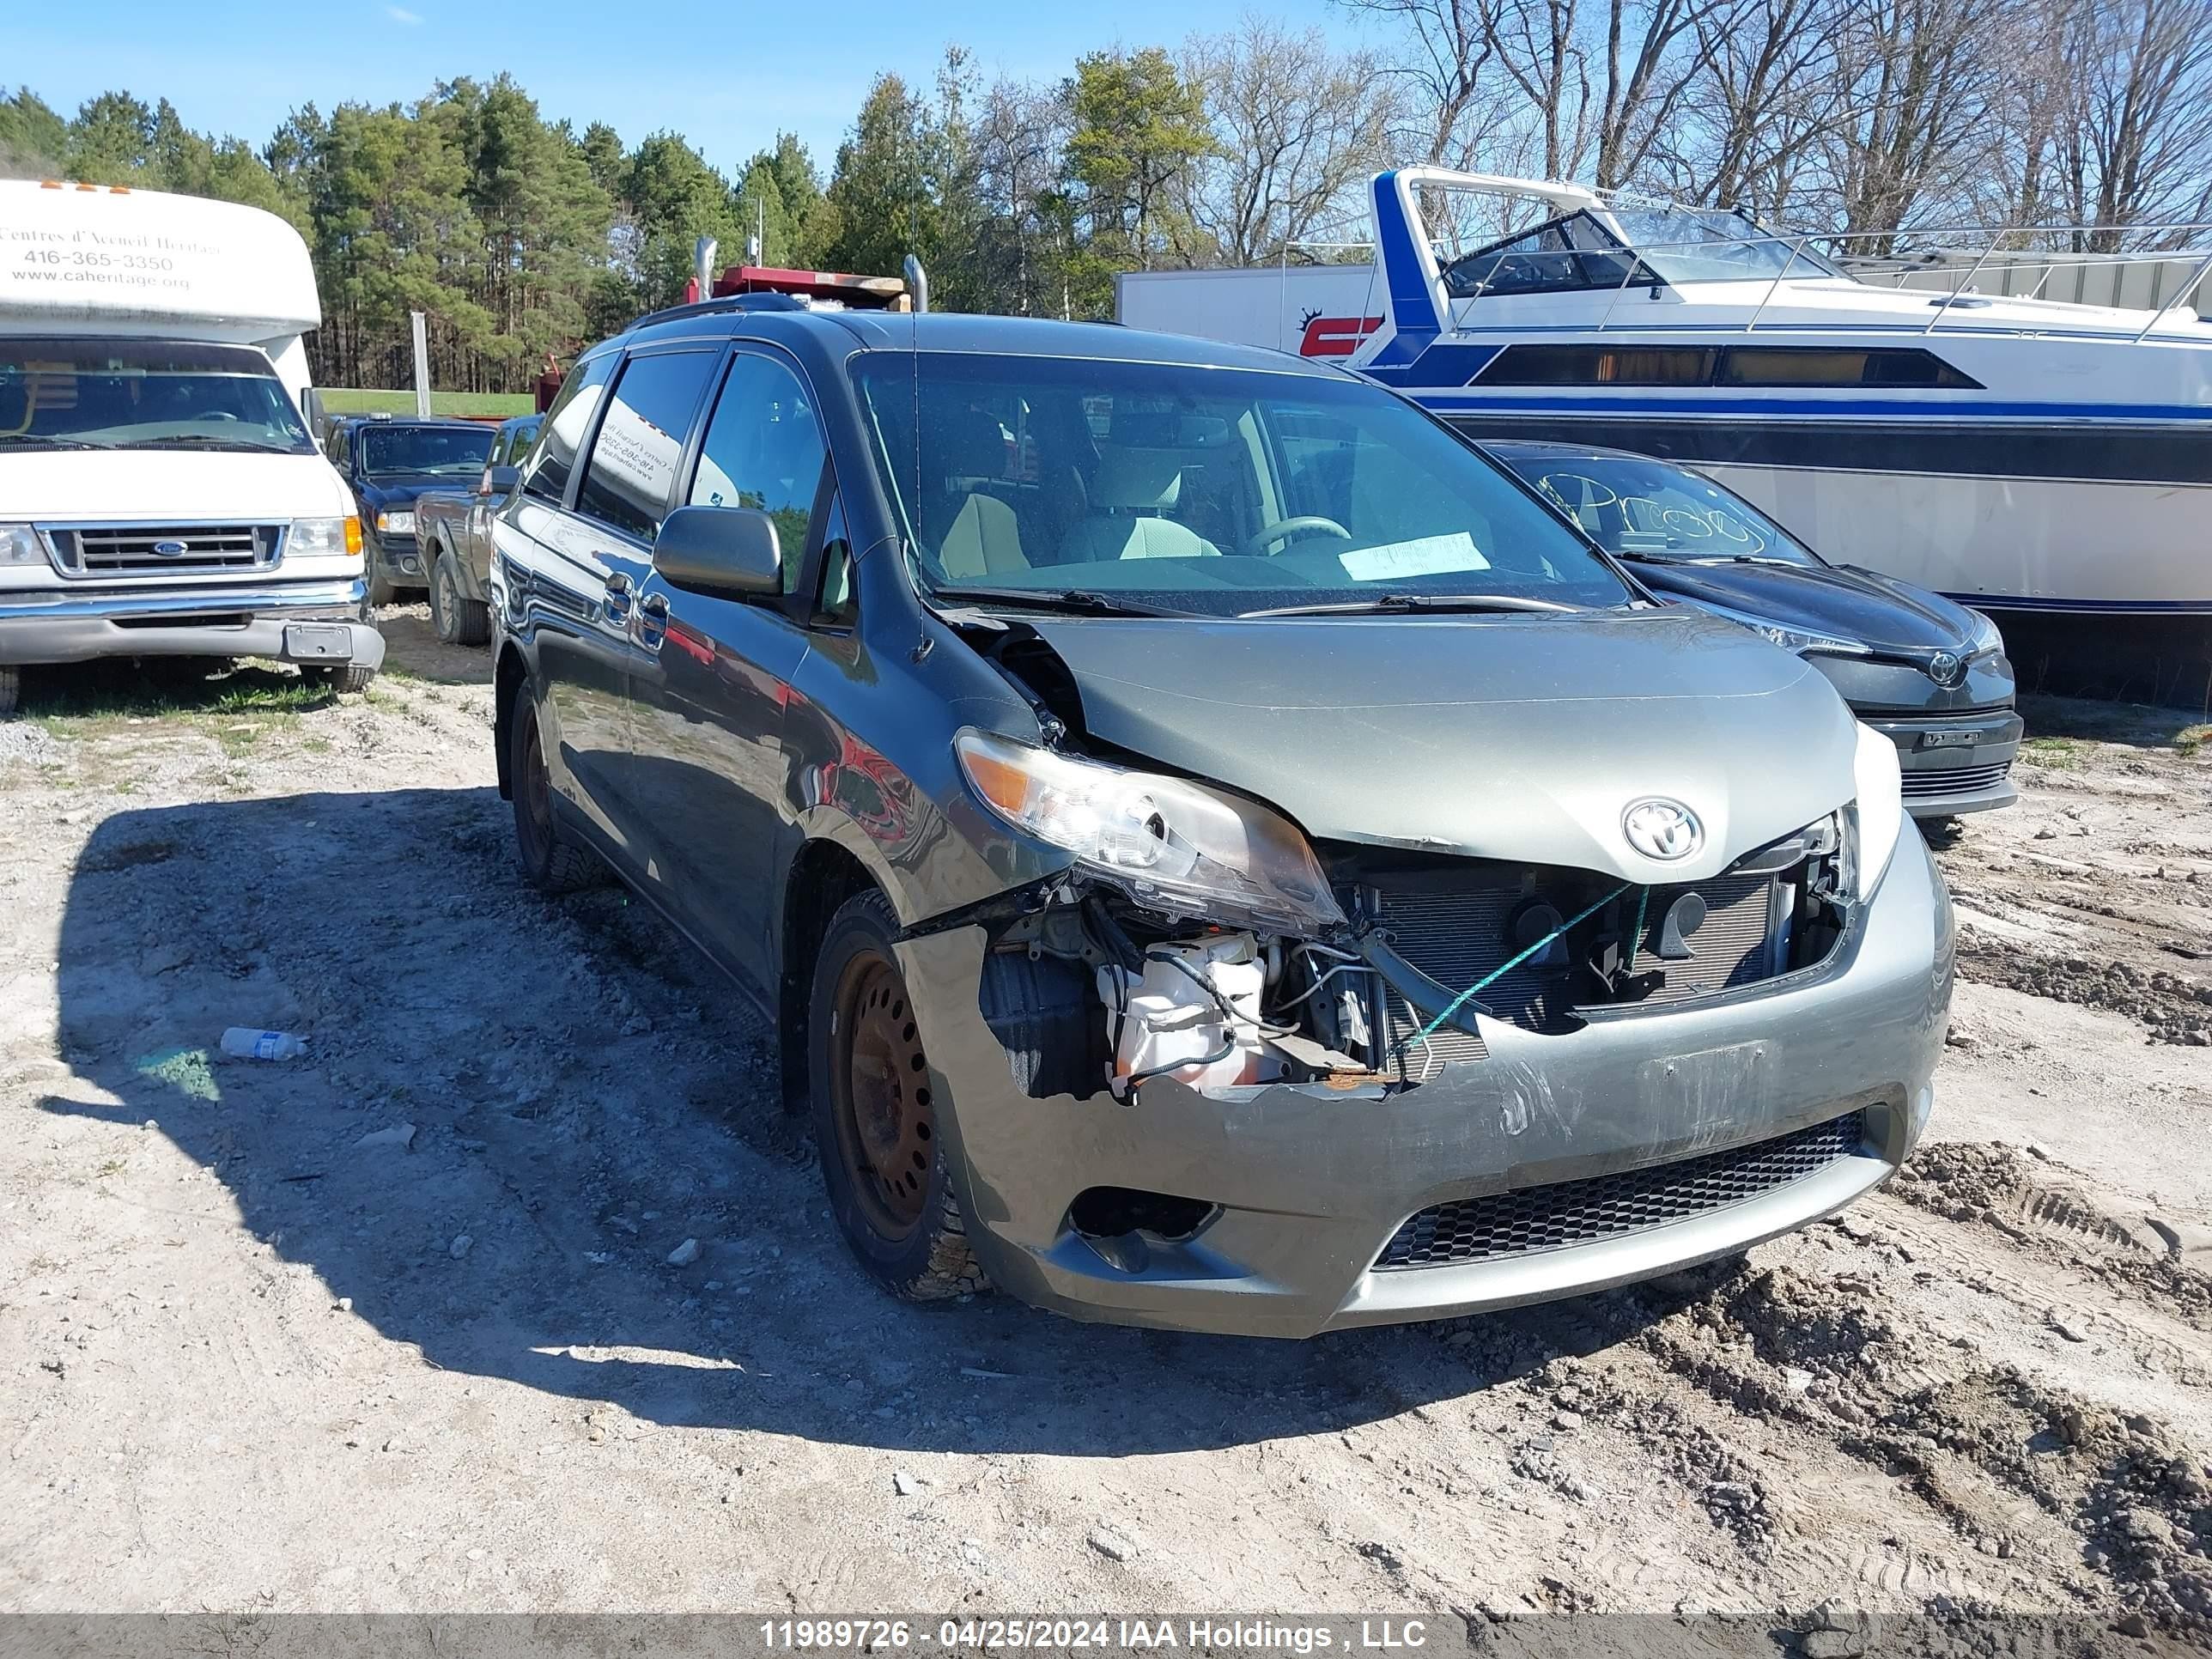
{"x": 1662, "y": 828}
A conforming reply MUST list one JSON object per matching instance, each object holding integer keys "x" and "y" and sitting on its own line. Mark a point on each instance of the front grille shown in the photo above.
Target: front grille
{"x": 1460, "y": 929}
{"x": 192, "y": 549}
{"x": 1503, "y": 1225}
{"x": 1958, "y": 780}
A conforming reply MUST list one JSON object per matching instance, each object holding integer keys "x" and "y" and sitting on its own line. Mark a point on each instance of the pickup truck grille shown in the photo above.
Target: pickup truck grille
{"x": 184, "y": 550}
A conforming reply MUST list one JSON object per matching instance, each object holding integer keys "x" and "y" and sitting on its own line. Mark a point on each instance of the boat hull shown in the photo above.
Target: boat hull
{"x": 2097, "y": 519}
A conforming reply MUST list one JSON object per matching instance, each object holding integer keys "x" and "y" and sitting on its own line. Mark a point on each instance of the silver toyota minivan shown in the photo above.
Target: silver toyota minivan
{"x": 1219, "y": 853}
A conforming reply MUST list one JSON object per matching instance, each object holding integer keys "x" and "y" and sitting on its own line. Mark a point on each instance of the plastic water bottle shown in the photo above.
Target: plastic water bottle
{"x": 240, "y": 1042}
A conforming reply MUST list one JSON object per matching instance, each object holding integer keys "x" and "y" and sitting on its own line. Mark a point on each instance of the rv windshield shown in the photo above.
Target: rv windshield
{"x": 1118, "y": 486}
{"x": 1690, "y": 245}
{"x": 154, "y": 394}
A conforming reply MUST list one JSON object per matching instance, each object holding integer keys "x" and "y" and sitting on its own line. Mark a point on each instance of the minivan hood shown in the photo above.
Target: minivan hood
{"x": 167, "y": 486}
{"x": 1522, "y": 738}
{"x": 1857, "y": 604}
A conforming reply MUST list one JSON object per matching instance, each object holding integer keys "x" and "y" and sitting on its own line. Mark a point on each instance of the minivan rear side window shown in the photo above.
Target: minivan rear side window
{"x": 640, "y": 443}
{"x": 566, "y": 422}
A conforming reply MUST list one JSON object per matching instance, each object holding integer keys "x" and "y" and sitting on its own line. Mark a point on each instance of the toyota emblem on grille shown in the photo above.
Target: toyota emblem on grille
{"x": 171, "y": 548}
{"x": 1946, "y": 669}
{"x": 1662, "y": 828}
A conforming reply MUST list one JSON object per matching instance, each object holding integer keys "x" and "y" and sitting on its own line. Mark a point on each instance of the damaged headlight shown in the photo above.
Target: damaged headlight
{"x": 1878, "y": 805}
{"x": 1174, "y": 845}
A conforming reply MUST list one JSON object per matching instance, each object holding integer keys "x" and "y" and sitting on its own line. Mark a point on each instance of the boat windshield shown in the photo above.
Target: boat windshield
{"x": 1710, "y": 245}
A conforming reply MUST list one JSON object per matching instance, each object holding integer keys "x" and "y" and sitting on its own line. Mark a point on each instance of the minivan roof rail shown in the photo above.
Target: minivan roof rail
{"x": 728, "y": 302}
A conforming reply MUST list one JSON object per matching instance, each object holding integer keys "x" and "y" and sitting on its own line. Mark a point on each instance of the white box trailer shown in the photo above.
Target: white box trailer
{"x": 1310, "y": 311}
{"x": 161, "y": 494}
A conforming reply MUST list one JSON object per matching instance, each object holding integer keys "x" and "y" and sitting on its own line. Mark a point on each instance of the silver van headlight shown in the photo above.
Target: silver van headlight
{"x": 1172, "y": 844}
{"x": 1877, "y": 807}
{"x": 19, "y": 544}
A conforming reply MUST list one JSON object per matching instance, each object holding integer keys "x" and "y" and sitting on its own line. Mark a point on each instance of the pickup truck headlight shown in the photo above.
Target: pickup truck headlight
{"x": 395, "y": 524}
{"x": 19, "y": 544}
{"x": 1878, "y": 805}
{"x": 1180, "y": 847}
{"x": 320, "y": 537}
{"x": 1805, "y": 641}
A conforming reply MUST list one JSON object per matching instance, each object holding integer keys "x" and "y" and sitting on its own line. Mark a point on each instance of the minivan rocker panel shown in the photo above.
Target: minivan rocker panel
{"x": 1154, "y": 955}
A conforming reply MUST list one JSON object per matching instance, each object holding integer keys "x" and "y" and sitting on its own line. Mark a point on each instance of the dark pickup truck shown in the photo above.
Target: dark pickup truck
{"x": 455, "y": 531}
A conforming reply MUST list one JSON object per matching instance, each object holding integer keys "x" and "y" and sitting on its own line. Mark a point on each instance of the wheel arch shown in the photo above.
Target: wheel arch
{"x": 823, "y": 877}
{"x": 508, "y": 679}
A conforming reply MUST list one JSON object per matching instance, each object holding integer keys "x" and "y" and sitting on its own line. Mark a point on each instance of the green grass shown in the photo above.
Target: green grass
{"x": 2191, "y": 739}
{"x": 2059, "y": 753}
{"x": 340, "y": 400}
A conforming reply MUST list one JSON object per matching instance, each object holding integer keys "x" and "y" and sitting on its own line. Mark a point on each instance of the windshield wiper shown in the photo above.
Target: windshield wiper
{"x": 1433, "y": 602}
{"x": 47, "y": 440}
{"x": 206, "y": 441}
{"x": 1081, "y": 602}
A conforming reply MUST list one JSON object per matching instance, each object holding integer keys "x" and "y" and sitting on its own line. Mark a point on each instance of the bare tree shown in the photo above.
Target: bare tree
{"x": 2144, "y": 147}
{"x": 1300, "y": 128}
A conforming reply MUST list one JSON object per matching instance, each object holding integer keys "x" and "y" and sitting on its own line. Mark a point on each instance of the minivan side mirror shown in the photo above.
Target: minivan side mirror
{"x": 728, "y": 550}
{"x": 499, "y": 480}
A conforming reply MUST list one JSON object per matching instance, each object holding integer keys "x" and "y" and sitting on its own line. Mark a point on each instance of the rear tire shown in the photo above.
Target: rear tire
{"x": 875, "y": 1116}
{"x": 551, "y": 861}
{"x": 352, "y": 678}
{"x": 459, "y": 620}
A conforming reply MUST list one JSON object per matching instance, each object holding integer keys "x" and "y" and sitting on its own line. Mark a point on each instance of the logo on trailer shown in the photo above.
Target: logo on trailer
{"x": 171, "y": 548}
{"x": 1663, "y": 829}
{"x": 1335, "y": 336}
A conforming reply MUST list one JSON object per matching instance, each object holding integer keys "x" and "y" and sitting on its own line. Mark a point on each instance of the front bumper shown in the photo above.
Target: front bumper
{"x": 399, "y": 559}
{"x": 315, "y": 622}
{"x": 1953, "y": 763}
{"x": 1310, "y": 1183}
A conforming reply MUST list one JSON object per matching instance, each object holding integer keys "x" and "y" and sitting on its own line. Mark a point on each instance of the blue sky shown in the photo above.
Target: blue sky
{"x": 726, "y": 75}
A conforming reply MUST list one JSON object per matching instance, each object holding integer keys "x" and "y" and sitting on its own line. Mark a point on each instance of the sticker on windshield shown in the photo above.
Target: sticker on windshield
{"x": 1424, "y": 555}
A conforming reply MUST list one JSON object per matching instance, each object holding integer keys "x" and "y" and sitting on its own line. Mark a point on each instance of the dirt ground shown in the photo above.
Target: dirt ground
{"x": 394, "y": 1326}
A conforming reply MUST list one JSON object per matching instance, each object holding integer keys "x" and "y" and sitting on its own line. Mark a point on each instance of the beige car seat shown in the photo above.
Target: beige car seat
{"x": 1130, "y": 492}
{"x": 981, "y": 538}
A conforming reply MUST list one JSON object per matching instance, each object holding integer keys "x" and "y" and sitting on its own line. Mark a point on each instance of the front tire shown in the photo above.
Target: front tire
{"x": 876, "y": 1116}
{"x": 380, "y": 590}
{"x": 11, "y": 690}
{"x": 459, "y": 620}
{"x": 551, "y": 861}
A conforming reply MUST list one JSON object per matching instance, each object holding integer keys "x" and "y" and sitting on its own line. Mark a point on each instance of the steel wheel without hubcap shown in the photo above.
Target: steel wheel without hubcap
{"x": 879, "y": 1081}
{"x": 444, "y": 603}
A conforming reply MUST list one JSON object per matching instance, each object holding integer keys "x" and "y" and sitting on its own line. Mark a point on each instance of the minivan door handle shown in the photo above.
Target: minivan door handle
{"x": 652, "y": 619}
{"x": 619, "y": 588}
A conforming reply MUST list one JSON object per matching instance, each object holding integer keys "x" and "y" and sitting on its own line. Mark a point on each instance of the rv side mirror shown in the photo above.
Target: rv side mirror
{"x": 727, "y": 551}
{"x": 499, "y": 480}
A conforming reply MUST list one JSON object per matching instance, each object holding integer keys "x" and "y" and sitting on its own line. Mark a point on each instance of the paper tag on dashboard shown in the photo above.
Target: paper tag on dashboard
{"x": 1426, "y": 556}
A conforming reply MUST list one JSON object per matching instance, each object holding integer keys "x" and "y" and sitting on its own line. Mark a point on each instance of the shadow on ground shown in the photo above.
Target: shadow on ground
{"x": 586, "y": 1094}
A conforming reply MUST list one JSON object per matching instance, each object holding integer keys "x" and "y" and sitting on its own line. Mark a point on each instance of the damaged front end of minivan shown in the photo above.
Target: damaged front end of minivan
{"x": 1218, "y": 1073}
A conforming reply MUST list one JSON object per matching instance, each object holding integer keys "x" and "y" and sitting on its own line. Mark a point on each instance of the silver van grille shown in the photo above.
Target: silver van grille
{"x": 184, "y": 550}
{"x": 1571, "y": 1213}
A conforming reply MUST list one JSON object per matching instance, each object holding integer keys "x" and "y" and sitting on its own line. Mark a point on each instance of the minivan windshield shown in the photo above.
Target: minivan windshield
{"x": 414, "y": 452}
{"x": 1137, "y": 486}
{"x": 1638, "y": 508}
{"x": 148, "y": 394}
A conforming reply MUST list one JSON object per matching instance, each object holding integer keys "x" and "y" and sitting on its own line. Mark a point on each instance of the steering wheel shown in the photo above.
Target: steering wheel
{"x": 1284, "y": 530}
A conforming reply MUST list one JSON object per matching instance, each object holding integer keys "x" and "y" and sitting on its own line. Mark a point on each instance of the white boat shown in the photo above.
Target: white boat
{"x": 2016, "y": 452}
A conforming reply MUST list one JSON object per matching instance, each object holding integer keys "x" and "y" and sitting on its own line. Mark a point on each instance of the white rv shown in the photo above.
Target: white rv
{"x": 159, "y": 492}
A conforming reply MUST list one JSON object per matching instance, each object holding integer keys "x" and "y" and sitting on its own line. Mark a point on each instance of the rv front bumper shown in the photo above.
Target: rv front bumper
{"x": 1733, "y": 1122}
{"x": 308, "y": 622}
